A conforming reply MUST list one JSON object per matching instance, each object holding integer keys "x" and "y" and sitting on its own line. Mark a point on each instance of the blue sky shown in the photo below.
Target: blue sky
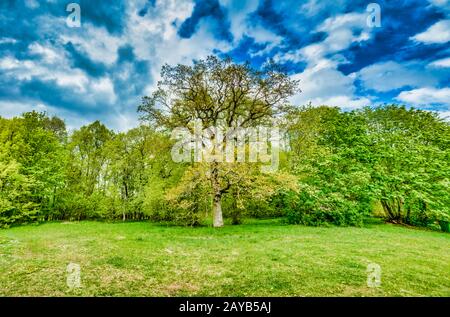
{"x": 103, "y": 68}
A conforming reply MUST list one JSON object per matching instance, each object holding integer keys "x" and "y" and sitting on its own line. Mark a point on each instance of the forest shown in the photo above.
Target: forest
{"x": 337, "y": 167}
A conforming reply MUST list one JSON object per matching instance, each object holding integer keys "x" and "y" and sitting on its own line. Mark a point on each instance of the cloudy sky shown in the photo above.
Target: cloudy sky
{"x": 103, "y": 68}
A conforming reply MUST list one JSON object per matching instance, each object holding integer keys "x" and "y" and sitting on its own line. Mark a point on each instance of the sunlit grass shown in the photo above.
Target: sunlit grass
{"x": 258, "y": 258}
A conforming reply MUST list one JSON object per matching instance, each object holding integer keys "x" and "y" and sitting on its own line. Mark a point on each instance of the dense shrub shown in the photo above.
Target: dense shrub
{"x": 252, "y": 208}
{"x": 15, "y": 195}
{"x": 188, "y": 201}
{"x": 310, "y": 210}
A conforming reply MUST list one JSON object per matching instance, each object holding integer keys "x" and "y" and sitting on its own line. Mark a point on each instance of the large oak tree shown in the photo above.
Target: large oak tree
{"x": 218, "y": 93}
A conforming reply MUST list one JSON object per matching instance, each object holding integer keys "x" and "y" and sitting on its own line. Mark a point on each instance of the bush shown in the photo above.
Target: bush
{"x": 306, "y": 209}
{"x": 187, "y": 201}
{"x": 158, "y": 210}
{"x": 16, "y": 204}
{"x": 442, "y": 217}
{"x": 445, "y": 225}
{"x": 259, "y": 209}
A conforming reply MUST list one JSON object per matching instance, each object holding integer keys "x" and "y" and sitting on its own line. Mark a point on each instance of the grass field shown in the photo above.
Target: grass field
{"x": 258, "y": 258}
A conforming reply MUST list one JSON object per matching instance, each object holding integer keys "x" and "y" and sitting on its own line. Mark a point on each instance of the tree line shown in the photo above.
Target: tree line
{"x": 337, "y": 168}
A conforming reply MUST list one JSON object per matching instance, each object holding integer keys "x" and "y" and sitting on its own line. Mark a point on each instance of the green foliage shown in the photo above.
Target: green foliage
{"x": 317, "y": 210}
{"x": 349, "y": 160}
{"x": 189, "y": 201}
{"x": 332, "y": 164}
{"x": 15, "y": 195}
{"x": 254, "y": 194}
{"x": 337, "y": 167}
{"x": 33, "y": 156}
{"x": 411, "y": 166}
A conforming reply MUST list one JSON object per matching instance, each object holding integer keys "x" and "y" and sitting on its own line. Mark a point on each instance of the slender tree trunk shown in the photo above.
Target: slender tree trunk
{"x": 387, "y": 210}
{"x": 408, "y": 215}
{"x": 217, "y": 211}
{"x": 400, "y": 209}
{"x": 217, "y": 197}
{"x": 126, "y": 199}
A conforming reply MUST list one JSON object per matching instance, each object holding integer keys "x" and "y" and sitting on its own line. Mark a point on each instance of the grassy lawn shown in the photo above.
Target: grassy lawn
{"x": 259, "y": 258}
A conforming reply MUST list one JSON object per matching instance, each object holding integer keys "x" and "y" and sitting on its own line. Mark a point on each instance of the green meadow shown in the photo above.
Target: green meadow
{"x": 256, "y": 258}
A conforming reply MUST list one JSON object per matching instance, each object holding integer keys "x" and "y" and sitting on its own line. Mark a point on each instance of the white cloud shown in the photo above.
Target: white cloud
{"x": 390, "y": 75}
{"x": 9, "y": 109}
{"x": 341, "y": 101}
{"x": 341, "y": 33}
{"x": 119, "y": 121}
{"x": 124, "y": 121}
{"x": 8, "y": 62}
{"x": 32, "y": 4}
{"x": 444, "y": 4}
{"x": 74, "y": 78}
{"x": 154, "y": 37}
{"x": 91, "y": 91}
{"x": 7, "y": 40}
{"x": 441, "y": 63}
{"x": 48, "y": 54}
{"x": 149, "y": 34}
{"x": 344, "y": 102}
{"x": 314, "y": 7}
{"x": 437, "y": 33}
{"x": 348, "y": 20}
{"x": 426, "y": 96}
{"x": 444, "y": 115}
{"x": 103, "y": 90}
{"x": 440, "y": 3}
{"x": 237, "y": 14}
{"x": 240, "y": 25}
{"x": 322, "y": 84}
{"x": 97, "y": 42}
{"x": 263, "y": 36}
{"x": 28, "y": 69}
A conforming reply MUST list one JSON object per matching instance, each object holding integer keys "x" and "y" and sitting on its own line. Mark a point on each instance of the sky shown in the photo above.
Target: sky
{"x": 101, "y": 69}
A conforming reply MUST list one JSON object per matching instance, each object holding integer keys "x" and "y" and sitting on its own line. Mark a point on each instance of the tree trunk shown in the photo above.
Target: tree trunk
{"x": 400, "y": 209}
{"x": 126, "y": 199}
{"x": 217, "y": 211}
{"x": 387, "y": 209}
{"x": 217, "y": 197}
{"x": 408, "y": 215}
